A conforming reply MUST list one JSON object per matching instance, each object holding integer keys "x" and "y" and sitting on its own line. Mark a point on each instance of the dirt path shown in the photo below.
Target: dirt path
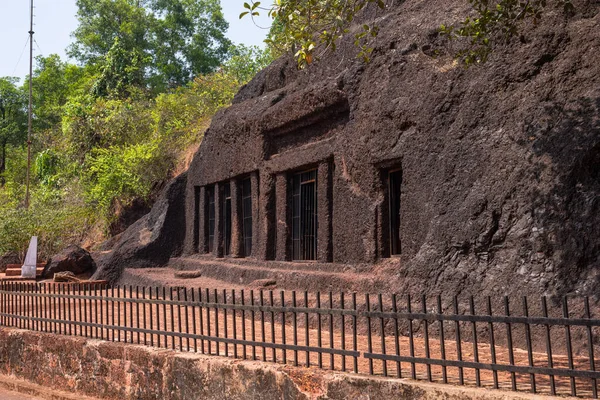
{"x": 7, "y": 395}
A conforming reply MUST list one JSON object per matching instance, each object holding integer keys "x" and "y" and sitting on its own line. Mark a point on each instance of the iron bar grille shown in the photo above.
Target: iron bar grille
{"x": 541, "y": 345}
{"x": 304, "y": 215}
{"x": 247, "y": 216}
{"x": 210, "y": 194}
{"x": 394, "y": 185}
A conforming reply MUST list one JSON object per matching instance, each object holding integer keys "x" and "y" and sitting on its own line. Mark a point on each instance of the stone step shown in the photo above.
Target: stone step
{"x": 284, "y": 265}
{"x": 15, "y": 269}
{"x": 17, "y": 272}
{"x": 17, "y": 279}
{"x": 83, "y": 285}
{"x": 290, "y": 279}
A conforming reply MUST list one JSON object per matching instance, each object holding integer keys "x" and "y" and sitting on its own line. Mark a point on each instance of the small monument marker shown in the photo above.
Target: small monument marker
{"x": 28, "y": 270}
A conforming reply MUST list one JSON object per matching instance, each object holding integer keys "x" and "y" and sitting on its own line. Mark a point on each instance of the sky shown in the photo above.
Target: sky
{"x": 55, "y": 20}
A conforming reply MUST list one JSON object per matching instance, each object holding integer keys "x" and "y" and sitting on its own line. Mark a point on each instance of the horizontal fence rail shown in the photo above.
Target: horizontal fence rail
{"x": 545, "y": 347}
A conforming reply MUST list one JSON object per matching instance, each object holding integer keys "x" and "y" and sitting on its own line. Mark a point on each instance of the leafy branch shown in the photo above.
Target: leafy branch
{"x": 303, "y": 26}
{"x": 494, "y": 23}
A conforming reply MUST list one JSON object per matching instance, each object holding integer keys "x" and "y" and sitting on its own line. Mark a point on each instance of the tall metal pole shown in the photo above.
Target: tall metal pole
{"x": 30, "y": 123}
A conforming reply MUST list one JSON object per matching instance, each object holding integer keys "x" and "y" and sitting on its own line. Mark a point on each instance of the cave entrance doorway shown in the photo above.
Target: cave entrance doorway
{"x": 227, "y": 219}
{"x": 304, "y": 215}
{"x": 394, "y": 186}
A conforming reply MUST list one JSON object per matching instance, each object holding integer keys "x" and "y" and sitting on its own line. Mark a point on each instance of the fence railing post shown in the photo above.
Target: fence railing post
{"x": 92, "y": 311}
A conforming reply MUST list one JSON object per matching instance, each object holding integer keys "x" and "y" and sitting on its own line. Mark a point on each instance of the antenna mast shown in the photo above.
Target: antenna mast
{"x": 29, "y": 126}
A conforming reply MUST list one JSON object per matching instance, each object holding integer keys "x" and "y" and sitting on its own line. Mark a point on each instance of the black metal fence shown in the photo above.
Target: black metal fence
{"x": 549, "y": 347}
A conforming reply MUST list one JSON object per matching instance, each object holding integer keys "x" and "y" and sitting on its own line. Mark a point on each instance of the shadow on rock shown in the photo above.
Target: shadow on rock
{"x": 570, "y": 210}
{"x": 151, "y": 240}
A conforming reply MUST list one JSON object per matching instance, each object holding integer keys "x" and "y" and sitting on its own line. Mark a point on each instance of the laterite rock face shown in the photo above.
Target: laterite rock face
{"x": 152, "y": 239}
{"x": 500, "y": 163}
{"x": 436, "y": 178}
{"x": 116, "y": 371}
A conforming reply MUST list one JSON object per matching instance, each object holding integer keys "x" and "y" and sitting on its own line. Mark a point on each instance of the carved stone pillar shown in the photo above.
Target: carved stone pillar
{"x": 200, "y": 221}
{"x": 237, "y": 242}
{"x": 265, "y": 232}
{"x": 218, "y": 238}
{"x": 324, "y": 212}
{"x": 283, "y": 228}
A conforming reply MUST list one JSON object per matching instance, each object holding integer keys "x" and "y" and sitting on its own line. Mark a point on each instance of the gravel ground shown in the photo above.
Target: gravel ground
{"x": 7, "y": 395}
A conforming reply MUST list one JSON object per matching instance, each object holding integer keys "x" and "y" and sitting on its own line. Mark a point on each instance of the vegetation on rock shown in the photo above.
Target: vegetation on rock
{"x": 109, "y": 131}
{"x": 152, "y": 73}
{"x": 309, "y": 28}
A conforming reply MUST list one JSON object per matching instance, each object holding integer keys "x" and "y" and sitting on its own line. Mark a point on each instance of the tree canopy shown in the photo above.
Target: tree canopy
{"x": 54, "y": 81}
{"x": 109, "y": 130}
{"x": 12, "y": 119}
{"x": 162, "y": 43}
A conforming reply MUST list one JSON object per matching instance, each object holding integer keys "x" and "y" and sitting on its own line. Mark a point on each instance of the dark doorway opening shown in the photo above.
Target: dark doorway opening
{"x": 394, "y": 185}
{"x": 210, "y": 194}
{"x": 304, "y": 215}
{"x": 247, "y": 216}
{"x": 226, "y": 219}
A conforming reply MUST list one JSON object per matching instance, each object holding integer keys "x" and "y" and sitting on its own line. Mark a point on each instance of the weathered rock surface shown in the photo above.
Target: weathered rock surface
{"x": 72, "y": 259}
{"x": 151, "y": 240}
{"x": 66, "y": 276}
{"x": 9, "y": 258}
{"x": 501, "y": 162}
{"x": 187, "y": 274}
{"x": 117, "y": 371}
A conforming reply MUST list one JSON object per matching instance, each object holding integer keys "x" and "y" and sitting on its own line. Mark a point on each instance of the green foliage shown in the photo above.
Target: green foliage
{"x": 54, "y": 81}
{"x": 162, "y": 43}
{"x": 57, "y": 215}
{"x": 494, "y": 22}
{"x": 46, "y": 167}
{"x": 13, "y": 192}
{"x": 12, "y": 120}
{"x": 99, "y": 122}
{"x": 303, "y": 26}
{"x": 180, "y": 115}
{"x": 13, "y": 116}
{"x": 56, "y": 225}
{"x": 246, "y": 61}
{"x": 121, "y": 71}
{"x": 122, "y": 172}
{"x": 109, "y": 131}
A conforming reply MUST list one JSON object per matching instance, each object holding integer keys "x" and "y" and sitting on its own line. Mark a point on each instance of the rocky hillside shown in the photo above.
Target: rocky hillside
{"x": 504, "y": 190}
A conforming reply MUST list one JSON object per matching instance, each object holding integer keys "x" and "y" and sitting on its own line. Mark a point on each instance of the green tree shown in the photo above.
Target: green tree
{"x": 54, "y": 81}
{"x": 13, "y": 119}
{"x": 189, "y": 39}
{"x": 121, "y": 71}
{"x": 301, "y": 26}
{"x": 90, "y": 123}
{"x": 167, "y": 42}
{"x": 245, "y": 62}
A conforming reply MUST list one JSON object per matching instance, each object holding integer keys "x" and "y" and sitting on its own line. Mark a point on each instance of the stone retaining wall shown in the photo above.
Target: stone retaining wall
{"x": 116, "y": 371}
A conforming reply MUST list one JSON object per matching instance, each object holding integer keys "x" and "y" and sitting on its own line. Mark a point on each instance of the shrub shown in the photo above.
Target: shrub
{"x": 55, "y": 226}
{"x": 122, "y": 172}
